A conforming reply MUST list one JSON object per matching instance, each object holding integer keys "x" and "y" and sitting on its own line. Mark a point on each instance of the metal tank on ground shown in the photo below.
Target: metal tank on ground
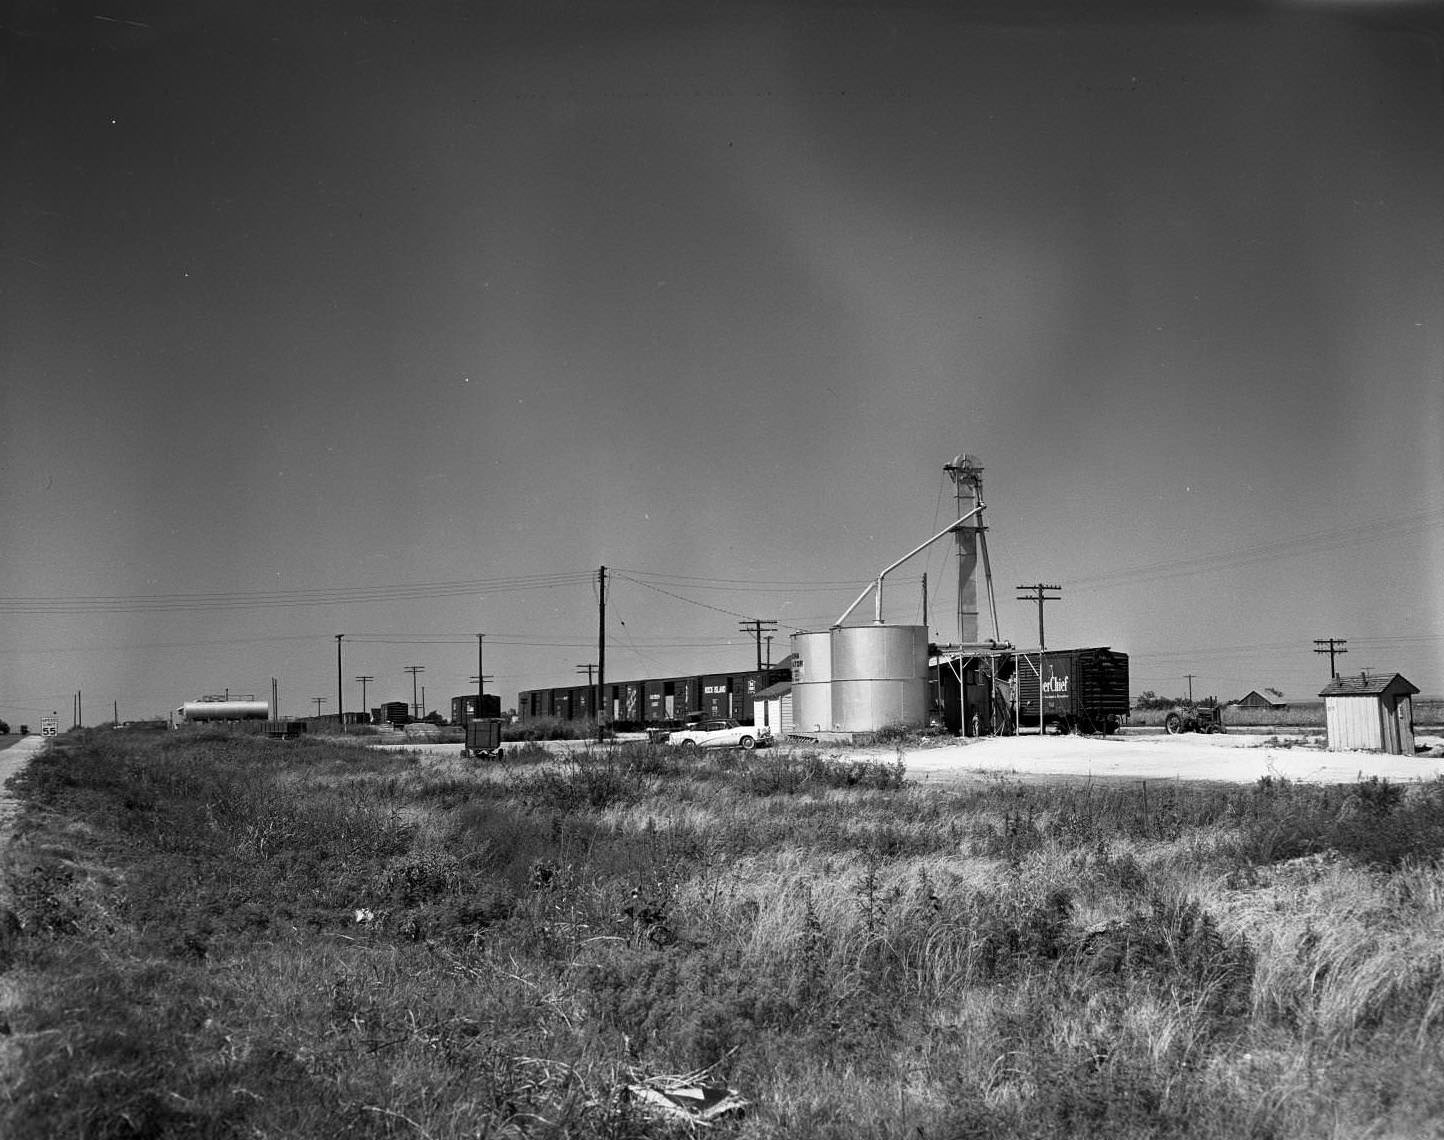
{"x": 224, "y": 710}
{"x": 812, "y": 682}
{"x": 879, "y": 677}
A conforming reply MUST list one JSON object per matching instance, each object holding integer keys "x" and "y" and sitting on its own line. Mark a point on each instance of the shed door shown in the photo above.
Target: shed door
{"x": 1404, "y": 725}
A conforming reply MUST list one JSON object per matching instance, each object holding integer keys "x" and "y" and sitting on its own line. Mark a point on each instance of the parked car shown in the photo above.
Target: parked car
{"x": 721, "y": 734}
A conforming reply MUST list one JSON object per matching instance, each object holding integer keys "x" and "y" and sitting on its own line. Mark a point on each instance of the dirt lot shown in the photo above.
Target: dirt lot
{"x": 1231, "y": 758}
{"x": 1228, "y": 758}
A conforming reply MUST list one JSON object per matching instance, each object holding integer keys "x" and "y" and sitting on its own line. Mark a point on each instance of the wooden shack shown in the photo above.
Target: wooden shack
{"x": 772, "y": 707}
{"x": 1370, "y": 713}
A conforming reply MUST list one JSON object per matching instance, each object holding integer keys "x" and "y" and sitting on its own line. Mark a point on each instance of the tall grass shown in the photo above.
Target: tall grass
{"x": 234, "y": 936}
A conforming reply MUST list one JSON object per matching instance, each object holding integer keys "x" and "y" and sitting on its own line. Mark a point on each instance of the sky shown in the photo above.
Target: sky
{"x": 400, "y": 320}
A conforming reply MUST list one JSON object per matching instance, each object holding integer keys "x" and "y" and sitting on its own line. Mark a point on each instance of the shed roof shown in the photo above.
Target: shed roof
{"x": 1367, "y": 685}
{"x": 782, "y": 688}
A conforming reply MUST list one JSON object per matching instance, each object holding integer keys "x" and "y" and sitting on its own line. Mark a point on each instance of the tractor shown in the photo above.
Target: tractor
{"x": 1206, "y": 716}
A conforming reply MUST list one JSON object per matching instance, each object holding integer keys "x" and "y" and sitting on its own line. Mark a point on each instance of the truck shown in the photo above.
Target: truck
{"x": 1072, "y": 690}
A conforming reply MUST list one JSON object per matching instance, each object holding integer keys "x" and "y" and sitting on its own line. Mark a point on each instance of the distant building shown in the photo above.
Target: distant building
{"x": 393, "y": 713}
{"x": 1371, "y": 713}
{"x": 1257, "y": 700}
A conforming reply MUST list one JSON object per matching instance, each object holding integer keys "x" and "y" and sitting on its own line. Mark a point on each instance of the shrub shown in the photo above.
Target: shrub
{"x": 1373, "y": 820}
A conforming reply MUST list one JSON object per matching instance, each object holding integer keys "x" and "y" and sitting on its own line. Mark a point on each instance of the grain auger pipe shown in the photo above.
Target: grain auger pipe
{"x": 876, "y": 584}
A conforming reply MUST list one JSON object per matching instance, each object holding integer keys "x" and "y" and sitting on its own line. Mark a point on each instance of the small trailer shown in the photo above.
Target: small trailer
{"x": 1072, "y": 690}
{"x": 483, "y": 738}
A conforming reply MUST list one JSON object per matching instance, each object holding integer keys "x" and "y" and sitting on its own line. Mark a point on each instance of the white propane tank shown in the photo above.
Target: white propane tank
{"x": 225, "y": 710}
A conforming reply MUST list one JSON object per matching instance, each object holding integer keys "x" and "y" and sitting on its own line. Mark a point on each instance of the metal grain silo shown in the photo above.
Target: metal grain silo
{"x": 812, "y": 682}
{"x": 879, "y": 677}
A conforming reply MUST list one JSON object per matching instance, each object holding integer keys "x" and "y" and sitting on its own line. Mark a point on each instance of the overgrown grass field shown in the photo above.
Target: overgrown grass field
{"x": 229, "y": 936}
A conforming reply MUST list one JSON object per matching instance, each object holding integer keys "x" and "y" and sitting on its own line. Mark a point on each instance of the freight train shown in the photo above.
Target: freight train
{"x": 631, "y": 705}
{"x": 1072, "y": 690}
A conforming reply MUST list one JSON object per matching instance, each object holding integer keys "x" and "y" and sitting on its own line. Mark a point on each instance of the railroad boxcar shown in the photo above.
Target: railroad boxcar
{"x": 656, "y": 700}
{"x": 463, "y": 709}
{"x": 1073, "y": 690}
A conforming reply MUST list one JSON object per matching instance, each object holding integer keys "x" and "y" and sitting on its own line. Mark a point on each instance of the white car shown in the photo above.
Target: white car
{"x": 721, "y": 734}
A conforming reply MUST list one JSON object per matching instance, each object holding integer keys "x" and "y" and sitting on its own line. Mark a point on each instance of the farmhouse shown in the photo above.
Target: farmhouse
{"x": 1257, "y": 700}
{"x": 1370, "y": 713}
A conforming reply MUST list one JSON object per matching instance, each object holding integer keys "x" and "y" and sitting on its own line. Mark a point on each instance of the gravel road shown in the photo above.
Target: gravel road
{"x": 12, "y": 759}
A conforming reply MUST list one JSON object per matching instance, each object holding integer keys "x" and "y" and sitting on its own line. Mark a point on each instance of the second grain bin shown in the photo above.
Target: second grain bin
{"x": 879, "y": 677}
{"x": 812, "y": 682}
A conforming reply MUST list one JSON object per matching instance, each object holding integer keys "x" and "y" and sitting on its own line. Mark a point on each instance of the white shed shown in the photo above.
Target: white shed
{"x": 1370, "y": 713}
{"x": 773, "y": 707}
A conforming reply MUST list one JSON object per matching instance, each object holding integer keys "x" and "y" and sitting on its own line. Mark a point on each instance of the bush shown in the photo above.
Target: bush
{"x": 1373, "y": 820}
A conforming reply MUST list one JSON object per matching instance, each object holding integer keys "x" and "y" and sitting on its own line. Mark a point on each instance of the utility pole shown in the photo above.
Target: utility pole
{"x": 340, "y": 701}
{"x": 364, "y": 678}
{"x": 1333, "y": 646}
{"x": 757, "y": 626}
{"x": 1189, "y": 677}
{"x": 1038, "y": 592}
{"x": 601, "y": 642}
{"x": 319, "y": 702}
{"x": 478, "y": 690}
{"x": 115, "y": 713}
{"x": 480, "y": 677}
{"x": 590, "y": 670}
{"x": 415, "y": 703}
{"x": 768, "y": 639}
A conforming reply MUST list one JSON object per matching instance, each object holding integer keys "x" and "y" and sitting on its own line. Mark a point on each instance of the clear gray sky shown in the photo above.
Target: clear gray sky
{"x": 401, "y": 319}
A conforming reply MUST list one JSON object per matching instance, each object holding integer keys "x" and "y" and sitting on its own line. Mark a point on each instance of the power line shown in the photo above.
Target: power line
{"x": 780, "y": 585}
{"x": 1292, "y": 547}
{"x": 333, "y": 595}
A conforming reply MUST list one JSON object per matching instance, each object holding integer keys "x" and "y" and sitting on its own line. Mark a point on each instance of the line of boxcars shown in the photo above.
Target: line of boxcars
{"x": 631, "y": 705}
{"x": 1068, "y": 690}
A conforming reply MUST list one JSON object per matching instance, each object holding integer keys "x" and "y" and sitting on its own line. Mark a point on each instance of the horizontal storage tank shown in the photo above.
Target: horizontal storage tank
{"x": 879, "y": 677}
{"x": 225, "y": 710}
{"x": 812, "y": 682}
